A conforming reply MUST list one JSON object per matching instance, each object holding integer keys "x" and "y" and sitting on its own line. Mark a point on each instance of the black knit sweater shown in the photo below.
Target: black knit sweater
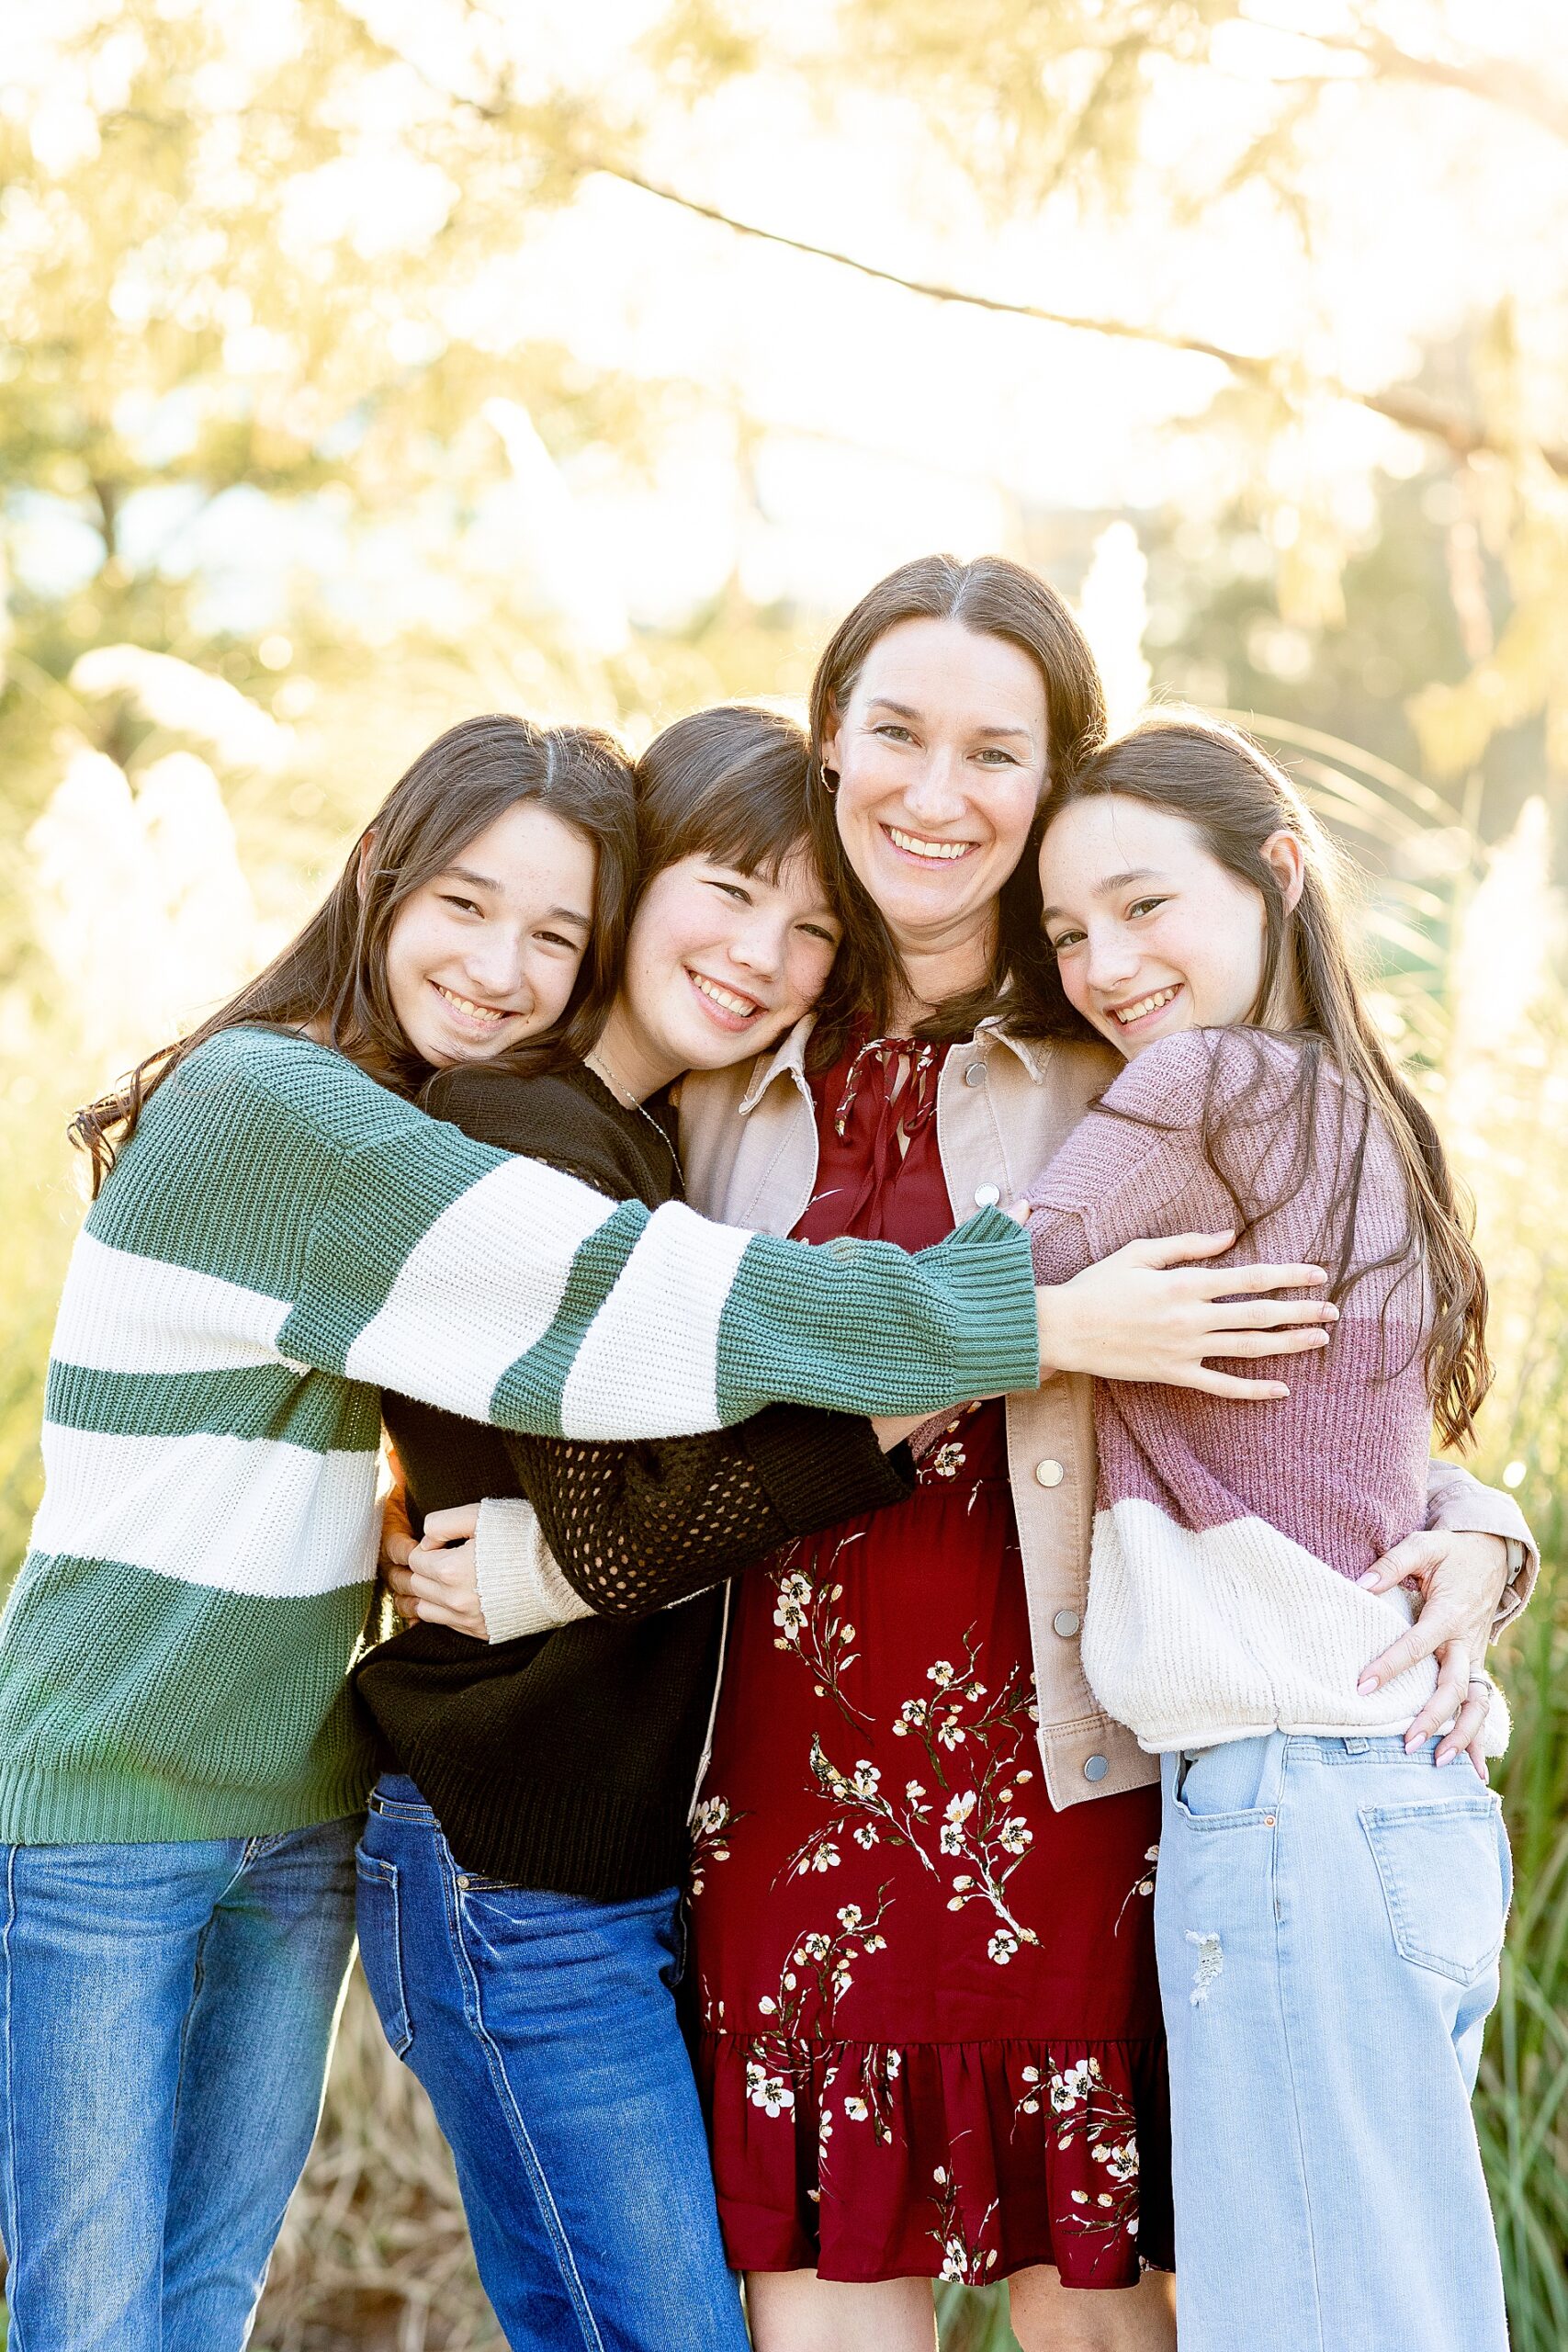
{"x": 567, "y": 1760}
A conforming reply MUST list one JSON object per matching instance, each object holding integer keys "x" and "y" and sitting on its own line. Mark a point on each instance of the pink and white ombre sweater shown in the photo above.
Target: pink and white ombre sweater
{"x": 1228, "y": 1537}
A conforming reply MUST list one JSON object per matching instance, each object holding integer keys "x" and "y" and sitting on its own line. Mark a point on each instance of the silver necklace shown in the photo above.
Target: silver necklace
{"x": 598, "y": 1062}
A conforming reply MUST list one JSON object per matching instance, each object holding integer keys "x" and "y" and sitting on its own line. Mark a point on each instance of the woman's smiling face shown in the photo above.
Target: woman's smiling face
{"x": 941, "y": 752}
{"x": 487, "y": 952}
{"x": 1152, "y": 934}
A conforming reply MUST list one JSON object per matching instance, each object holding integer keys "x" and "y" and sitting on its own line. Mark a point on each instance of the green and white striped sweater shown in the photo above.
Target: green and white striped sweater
{"x": 282, "y": 1239}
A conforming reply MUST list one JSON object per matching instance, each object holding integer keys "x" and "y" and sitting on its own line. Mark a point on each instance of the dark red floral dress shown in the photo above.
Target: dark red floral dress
{"x": 929, "y": 2036}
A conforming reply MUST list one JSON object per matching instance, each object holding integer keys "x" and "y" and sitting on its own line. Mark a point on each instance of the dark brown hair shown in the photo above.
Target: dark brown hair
{"x": 1231, "y": 792}
{"x": 992, "y": 597}
{"x": 730, "y": 784}
{"x": 332, "y": 974}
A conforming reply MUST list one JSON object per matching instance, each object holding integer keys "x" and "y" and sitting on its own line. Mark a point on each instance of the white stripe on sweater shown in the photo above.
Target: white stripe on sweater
{"x": 246, "y": 1515}
{"x": 1192, "y": 1638}
{"x": 124, "y": 1313}
{"x": 488, "y": 1274}
{"x": 671, "y": 1359}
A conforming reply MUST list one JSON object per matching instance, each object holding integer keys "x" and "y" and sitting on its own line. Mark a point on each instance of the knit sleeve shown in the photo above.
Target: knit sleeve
{"x": 633, "y": 1528}
{"x": 1131, "y": 1170}
{"x": 344, "y": 1231}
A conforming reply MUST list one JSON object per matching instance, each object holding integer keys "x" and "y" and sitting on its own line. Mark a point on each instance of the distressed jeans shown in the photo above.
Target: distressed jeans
{"x": 1328, "y": 1916}
{"x": 165, "y": 2016}
{"x": 543, "y": 2027}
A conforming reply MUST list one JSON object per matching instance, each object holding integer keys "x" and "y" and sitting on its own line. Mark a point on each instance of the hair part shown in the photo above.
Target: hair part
{"x": 1310, "y": 990}
{"x": 991, "y": 597}
{"x": 332, "y": 977}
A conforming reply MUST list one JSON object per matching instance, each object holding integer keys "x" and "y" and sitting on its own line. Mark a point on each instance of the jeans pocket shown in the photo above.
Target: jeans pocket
{"x": 1445, "y": 1875}
{"x": 1212, "y": 1788}
{"x": 382, "y": 1947}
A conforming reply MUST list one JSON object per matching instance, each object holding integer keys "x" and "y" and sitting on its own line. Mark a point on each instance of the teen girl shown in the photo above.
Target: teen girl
{"x": 278, "y": 1232}
{"x": 1329, "y": 1909}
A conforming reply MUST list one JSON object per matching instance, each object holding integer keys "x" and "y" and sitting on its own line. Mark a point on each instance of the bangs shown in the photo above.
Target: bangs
{"x": 730, "y": 785}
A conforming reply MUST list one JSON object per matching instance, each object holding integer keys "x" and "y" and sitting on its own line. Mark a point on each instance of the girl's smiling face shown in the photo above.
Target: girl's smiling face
{"x": 719, "y": 964}
{"x": 487, "y": 952}
{"x": 1152, "y": 934}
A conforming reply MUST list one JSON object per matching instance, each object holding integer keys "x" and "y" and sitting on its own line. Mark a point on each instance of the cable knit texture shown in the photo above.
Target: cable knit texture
{"x": 282, "y": 1238}
{"x": 1228, "y": 1537}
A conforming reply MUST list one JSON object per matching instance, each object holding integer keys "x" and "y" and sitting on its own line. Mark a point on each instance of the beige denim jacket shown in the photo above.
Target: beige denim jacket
{"x": 1004, "y": 1106}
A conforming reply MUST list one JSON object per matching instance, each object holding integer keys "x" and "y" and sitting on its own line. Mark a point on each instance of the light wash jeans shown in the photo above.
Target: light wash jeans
{"x": 1328, "y": 1915}
{"x": 543, "y": 2026}
{"x": 165, "y": 2016}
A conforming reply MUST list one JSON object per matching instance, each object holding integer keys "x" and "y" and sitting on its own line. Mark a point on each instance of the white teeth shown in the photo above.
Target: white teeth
{"x": 466, "y": 1004}
{"x": 944, "y": 852}
{"x": 726, "y": 999}
{"x": 1125, "y": 1013}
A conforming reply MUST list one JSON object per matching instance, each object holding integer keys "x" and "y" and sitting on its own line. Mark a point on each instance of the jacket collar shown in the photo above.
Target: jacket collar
{"x": 788, "y": 1058}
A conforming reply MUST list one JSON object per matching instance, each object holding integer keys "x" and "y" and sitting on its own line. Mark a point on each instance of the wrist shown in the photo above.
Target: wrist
{"x": 1054, "y": 1319}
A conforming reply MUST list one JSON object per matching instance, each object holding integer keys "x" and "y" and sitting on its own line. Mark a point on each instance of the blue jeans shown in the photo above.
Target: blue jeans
{"x": 165, "y": 2016}
{"x": 544, "y": 2029}
{"x": 1328, "y": 1915}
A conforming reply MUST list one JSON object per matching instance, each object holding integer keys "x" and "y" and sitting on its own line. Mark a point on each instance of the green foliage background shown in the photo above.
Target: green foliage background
{"x": 271, "y": 406}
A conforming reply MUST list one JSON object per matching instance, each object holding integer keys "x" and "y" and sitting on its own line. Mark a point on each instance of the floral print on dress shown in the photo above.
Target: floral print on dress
{"x": 900, "y": 1946}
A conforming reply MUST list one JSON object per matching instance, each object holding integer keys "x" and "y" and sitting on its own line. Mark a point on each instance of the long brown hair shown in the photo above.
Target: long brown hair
{"x": 333, "y": 974}
{"x": 992, "y": 597}
{"x": 1231, "y": 792}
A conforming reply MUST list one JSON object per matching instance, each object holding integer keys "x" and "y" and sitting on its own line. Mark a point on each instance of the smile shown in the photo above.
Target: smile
{"x": 734, "y": 1010}
{"x": 1127, "y": 1013}
{"x": 936, "y": 852}
{"x": 486, "y": 1014}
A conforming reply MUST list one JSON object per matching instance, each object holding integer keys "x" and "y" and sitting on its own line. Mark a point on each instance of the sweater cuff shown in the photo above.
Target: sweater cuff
{"x": 521, "y": 1589}
{"x": 821, "y": 1468}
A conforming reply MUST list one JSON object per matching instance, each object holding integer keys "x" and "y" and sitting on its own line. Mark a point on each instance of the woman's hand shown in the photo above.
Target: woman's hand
{"x": 434, "y": 1581}
{"x": 1461, "y": 1580}
{"x": 1145, "y": 1314}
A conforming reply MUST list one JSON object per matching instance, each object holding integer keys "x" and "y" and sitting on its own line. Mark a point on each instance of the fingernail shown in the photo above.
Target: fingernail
{"x": 1370, "y": 1577}
{"x": 1367, "y": 1685}
{"x": 1331, "y": 1312}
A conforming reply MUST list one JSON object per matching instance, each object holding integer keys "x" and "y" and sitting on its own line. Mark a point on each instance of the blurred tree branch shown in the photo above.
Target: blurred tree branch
{"x": 1498, "y": 81}
{"x": 1461, "y": 436}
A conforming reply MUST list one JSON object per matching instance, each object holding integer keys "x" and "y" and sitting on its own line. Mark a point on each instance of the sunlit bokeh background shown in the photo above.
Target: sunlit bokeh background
{"x": 368, "y": 363}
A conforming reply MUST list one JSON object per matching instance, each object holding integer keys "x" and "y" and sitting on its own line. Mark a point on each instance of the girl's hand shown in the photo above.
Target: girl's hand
{"x": 1461, "y": 1580}
{"x": 1145, "y": 1314}
{"x": 442, "y": 1579}
{"x": 397, "y": 1540}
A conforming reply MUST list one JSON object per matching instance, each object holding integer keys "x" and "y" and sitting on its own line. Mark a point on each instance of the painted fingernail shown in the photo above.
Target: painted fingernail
{"x": 1367, "y": 1685}
{"x": 1369, "y": 1576}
